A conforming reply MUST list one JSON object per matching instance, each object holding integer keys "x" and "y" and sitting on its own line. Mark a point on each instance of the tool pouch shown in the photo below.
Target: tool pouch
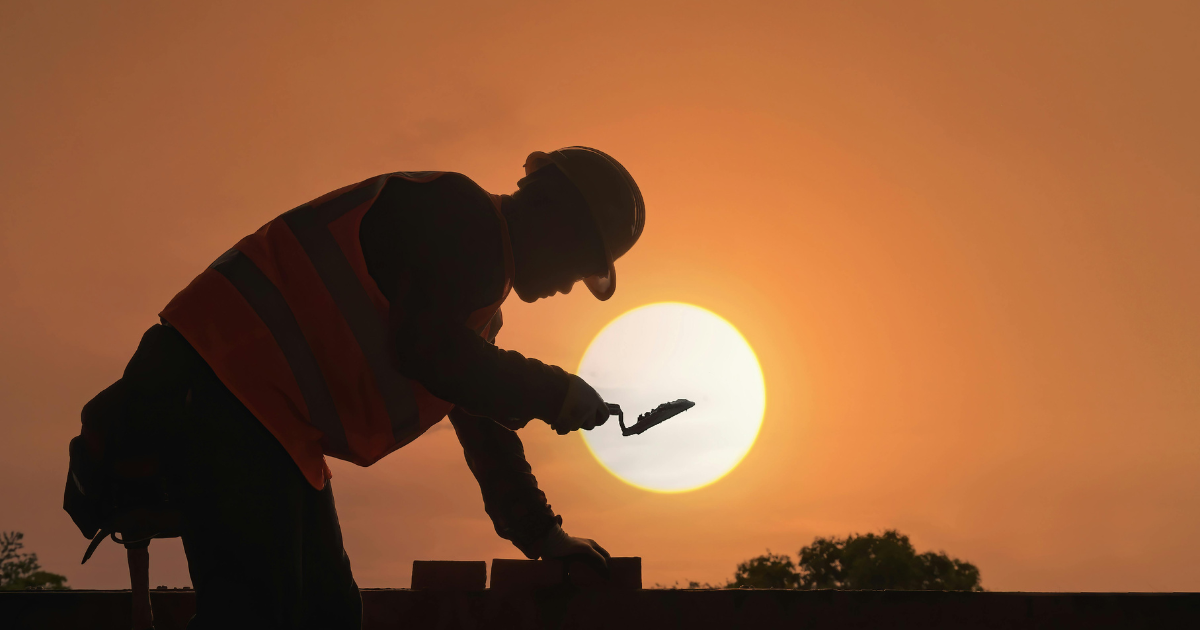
{"x": 119, "y": 478}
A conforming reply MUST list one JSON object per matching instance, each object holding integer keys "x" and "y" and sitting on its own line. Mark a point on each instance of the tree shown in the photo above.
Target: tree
{"x": 19, "y": 571}
{"x": 885, "y": 561}
{"x": 769, "y": 571}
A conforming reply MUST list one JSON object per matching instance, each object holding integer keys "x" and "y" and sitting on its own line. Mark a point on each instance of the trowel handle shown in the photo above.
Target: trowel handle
{"x": 615, "y": 410}
{"x": 138, "y": 555}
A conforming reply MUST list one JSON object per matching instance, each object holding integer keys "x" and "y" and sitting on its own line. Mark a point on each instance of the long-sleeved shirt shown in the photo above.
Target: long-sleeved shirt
{"x": 435, "y": 250}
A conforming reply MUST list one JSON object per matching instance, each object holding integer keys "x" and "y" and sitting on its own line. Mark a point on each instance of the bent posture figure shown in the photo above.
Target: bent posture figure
{"x": 349, "y": 326}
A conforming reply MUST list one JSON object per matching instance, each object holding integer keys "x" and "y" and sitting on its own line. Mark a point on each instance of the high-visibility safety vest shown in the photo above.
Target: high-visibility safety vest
{"x": 293, "y": 324}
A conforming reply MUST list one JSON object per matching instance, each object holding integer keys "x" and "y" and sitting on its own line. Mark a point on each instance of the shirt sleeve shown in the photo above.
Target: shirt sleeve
{"x": 511, "y": 497}
{"x": 460, "y": 367}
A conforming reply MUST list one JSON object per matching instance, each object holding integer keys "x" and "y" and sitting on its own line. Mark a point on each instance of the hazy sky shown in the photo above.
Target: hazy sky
{"x": 961, "y": 239}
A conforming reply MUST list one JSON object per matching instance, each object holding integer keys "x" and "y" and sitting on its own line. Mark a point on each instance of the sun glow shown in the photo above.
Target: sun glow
{"x": 658, "y": 353}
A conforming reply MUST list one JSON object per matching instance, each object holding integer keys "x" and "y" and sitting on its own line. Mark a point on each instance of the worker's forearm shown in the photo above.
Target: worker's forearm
{"x": 511, "y": 497}
{"x": 460, "y": 367}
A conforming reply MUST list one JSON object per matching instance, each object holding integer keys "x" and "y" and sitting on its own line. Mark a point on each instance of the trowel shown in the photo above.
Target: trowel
{"x": 655, "y": 417}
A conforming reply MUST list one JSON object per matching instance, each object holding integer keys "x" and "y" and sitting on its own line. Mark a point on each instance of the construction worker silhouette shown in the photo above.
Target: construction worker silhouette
{"x": 347, "y": 327}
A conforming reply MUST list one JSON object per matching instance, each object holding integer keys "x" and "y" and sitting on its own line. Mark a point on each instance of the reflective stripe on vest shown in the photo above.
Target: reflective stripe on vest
{"x": 292, "y": 323}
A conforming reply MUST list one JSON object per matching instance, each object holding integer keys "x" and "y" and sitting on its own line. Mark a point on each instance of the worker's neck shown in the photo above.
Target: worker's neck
{"x": 516, "y": 226}
{"x": 519, "y": 232}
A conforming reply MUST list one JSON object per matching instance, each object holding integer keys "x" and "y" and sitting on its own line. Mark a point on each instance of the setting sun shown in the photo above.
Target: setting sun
{"x": 666, "y": 351}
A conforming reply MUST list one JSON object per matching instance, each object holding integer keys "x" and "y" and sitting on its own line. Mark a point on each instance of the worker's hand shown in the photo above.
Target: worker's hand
{"x": 558, "y": 544}
{"x": 583, "y": 408}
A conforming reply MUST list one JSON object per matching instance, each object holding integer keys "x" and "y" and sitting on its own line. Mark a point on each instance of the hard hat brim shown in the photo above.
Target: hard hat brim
{"x": 603, "y": 287}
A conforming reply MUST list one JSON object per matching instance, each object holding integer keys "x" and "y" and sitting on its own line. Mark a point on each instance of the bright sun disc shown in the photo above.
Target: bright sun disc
{"x": 661, "y": 352}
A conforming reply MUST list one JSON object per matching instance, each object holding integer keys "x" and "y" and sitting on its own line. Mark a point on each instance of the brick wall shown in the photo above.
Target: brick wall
{"x": 567, "y": 606}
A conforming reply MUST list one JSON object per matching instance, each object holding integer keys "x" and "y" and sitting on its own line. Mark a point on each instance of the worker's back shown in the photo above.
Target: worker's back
{"x": 294, "y": 325}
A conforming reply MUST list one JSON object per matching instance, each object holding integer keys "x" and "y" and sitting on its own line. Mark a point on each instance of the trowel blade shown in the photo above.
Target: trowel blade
{"x": 658, "y": 415}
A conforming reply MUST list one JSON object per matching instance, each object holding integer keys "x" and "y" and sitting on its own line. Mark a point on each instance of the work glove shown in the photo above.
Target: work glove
{"x": 558, "y": 544}
{"x": 583, "y": 408}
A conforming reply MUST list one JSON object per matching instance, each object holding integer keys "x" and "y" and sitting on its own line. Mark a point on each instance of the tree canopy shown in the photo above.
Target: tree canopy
{"x": 20, "y": 571}
{"x": 884, "y": 561}
{"x": 773, "y": 570}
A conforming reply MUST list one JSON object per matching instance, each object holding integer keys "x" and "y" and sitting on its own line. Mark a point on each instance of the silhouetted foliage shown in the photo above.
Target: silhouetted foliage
{"x": 20, "y": 571}
{"x": 769, "y": 571}
{"x": 885, "y": 561}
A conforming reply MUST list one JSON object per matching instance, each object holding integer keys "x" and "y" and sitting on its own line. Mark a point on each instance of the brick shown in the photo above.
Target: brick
{"x": 525, "y": 575}
{"x": 531, "y": 575}
{"x": 624, "y": 573}
{"x": 447, "y": 575}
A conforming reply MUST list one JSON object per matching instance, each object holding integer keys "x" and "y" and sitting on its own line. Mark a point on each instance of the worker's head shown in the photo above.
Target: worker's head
{"x": 576, "y": 211}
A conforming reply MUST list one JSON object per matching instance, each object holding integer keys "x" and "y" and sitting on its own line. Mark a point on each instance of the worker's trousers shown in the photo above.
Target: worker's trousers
{"x": 264, "y": 547}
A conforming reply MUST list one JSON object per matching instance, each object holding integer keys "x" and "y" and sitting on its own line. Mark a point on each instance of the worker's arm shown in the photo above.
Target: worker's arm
{"x": 457, "y": 365}
{"x": 511, "y": 497}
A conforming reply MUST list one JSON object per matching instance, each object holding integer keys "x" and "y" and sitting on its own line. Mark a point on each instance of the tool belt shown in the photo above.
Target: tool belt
{"x": 121, "y": 472}
{"x": 118, "y": 484}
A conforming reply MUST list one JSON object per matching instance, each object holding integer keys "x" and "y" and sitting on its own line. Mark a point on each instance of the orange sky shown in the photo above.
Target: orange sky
{"x": 962, "y": 241}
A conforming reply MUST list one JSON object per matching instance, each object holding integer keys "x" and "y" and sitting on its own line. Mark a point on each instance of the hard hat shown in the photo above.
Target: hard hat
{"x": 614, "y": 201}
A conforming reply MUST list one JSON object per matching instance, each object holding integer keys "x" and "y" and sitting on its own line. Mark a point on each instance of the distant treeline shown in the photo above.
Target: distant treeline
{"x": 885, "y": 561}
{"x": 20, "y": 571}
